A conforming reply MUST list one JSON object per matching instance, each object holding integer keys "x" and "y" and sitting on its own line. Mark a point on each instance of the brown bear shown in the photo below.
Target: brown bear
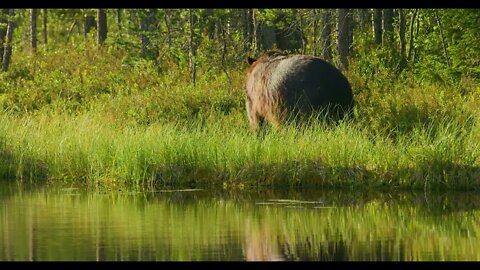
{"x": 282, "y": 87}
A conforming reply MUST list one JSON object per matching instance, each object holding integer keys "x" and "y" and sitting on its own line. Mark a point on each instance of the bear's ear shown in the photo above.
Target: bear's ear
{"x": 250, "y": 60}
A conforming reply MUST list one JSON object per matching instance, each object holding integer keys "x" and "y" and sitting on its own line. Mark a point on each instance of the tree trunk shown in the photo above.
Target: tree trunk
{"x": 167, "y": 24}
{"x": 3, "y": 31}
{"x": 363, "y": 18}
{"x": 315, "y": 32}
{"x": 350, "y": 26}
{"x": 153, "y": 27}
{"x": 210, "y": 18}
{"x": 45, "y": 26}
{"x": 101, "y": 26}
{"x": 193, "y": 52}
{"x": 417, "y": 29}
{"x": 342, "y": 38}
{"x": 8, "y": 42}
{"x": 402, "y": 27}
{"x": 146, "y": 25}
{"x": 119, "y": 19}
{"x": 90, "y": 23}
{"x": 412, "y": 27}
{"x": 224, "y": 41}
{"x": 388, "y": 26}
{"x": 33, "y": 28}
{"x": 247, "y": 30}
{"x": 377, "y": 26}
{"x": 256, "y": 32}
{"x": 302, "y": 32}
{"x": 326, "y": 38}
{"x": 442, "y": 38}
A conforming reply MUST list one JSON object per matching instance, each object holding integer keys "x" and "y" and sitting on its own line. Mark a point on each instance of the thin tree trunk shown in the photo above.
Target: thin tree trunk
{"x": 3, "y": 31}
{"x": 402, "y": 27}
{"x": 388, "y": 26}
{"x": 442, "y": 38}
{"x": 363, "y": 17}
{"x": 256, "y": 32}
{"x": 210, "y": 18}
{"x": 70, "y": 29}
{"x": 377, "y": 26}
{"x": 144, "y": 32}
{"x": 302, "y": 32}
{"x": 33, "y": 28}
{"x": 224, "y": 41}
{"x": 248, "y": 34}
{"x": 45, "y": 26}
{"x": 417, "y": 29}
{"x": 342, "y": 38}
{"x": 326, "y": 39}
{"x": 119, "y": 20}
{"x": 411, "y": 38}
{"x": 193, "y": 52}
{"x": 350, "y": 26}
{"x": 101, "y": 26}
{"x": 167, "y": 24}
{"x": 8, "y": 42}
{"x": 315, "y": 32}
{"x": 89, "y": 24}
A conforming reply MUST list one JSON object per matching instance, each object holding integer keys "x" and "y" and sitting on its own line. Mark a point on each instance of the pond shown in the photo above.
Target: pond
{"x": 45, "y": 223}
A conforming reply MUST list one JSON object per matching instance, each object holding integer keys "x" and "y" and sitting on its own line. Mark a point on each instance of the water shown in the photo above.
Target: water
{"x": 70, "y": 224}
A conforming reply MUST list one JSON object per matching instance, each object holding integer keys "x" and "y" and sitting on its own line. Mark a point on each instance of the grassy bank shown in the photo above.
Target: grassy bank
{"x": 107, "y": 120}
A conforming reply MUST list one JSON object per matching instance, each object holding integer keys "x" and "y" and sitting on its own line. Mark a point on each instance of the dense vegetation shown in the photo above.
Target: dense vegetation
{"x": 158, "y": 100}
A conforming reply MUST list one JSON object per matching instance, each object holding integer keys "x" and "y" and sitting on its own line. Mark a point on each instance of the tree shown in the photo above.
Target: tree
{"x": 402, "y": 27}
{"x": 101, "y": 26}
{"x": 3, "y": 30}
{"x": 256, "y": 32}
{"x": 377, "y": 26}
{"x": 388, "y": 26}
{"x": 411, "y": 46}
{"x": 314, "y": 30}
{"x": 168, "y": 26}
{"x": 193, "y": 51}
{"x": 363, "y": 15}
{"x": 342, "y": 38}
{"x": 326, "y": 38}
{"x": 147, "y": 25}
{"x": 248, "y": 29}
{"x": 442, "y": 38}
{"x": 89, "y": 24}
{"x": 33, "y": 28}
{"x": 45, "y": 26}
{"x": 119, "y": 19}
{"x": 8, "y": 42}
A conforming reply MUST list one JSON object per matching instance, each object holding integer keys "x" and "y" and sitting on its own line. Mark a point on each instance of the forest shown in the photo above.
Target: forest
{"x": 155, "y": 98}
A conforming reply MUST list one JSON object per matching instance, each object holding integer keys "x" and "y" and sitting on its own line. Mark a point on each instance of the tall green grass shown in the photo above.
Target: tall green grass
{"x": 106, "y": 120}
{"x": 99, "y": 152}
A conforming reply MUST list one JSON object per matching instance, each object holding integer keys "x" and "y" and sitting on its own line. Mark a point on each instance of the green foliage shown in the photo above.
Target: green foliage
{"x": 422, "y": 106}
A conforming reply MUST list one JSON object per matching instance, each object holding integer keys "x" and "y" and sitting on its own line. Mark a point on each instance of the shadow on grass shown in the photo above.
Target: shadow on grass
{"x": 21, "y": 168}
{"x": 433, "y": 175}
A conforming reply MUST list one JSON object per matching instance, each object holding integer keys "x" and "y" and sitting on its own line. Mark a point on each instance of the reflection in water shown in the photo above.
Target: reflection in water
{"x": 43, "y": 224}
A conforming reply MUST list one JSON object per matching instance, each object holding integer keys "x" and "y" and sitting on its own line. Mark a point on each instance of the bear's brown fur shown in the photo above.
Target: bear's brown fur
{"x": 280, "y": 87}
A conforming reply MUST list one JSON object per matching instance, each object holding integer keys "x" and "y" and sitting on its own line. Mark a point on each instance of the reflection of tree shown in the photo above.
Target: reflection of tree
{"x": 31, "y": 243}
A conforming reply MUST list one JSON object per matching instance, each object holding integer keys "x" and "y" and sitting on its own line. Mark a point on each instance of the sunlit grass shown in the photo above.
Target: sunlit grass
{"x": 110, "y": 120}
{"x": 96, "y": 151}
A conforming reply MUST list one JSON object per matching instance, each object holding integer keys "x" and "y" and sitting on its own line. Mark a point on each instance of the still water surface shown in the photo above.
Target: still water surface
{"x": 57, "y": 223}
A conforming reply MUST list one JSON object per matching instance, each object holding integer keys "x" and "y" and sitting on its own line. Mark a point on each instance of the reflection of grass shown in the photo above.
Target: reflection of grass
{"x": 100, "y": 152}
{"x": 169, "y": 227}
